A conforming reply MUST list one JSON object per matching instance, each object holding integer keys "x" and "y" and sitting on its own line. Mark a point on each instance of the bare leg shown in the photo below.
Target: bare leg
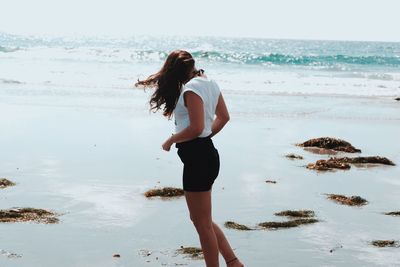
{"x": 225, "y": 248}
{"x": 199, "y": 204}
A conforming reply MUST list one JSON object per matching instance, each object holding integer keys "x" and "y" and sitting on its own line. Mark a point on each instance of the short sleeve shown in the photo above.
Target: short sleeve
{"x": 194, "y": 90}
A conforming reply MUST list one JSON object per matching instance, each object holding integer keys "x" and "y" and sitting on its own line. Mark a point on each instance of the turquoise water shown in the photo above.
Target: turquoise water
{"x": 240, "y": 64}
{"x": 224, "y": 50}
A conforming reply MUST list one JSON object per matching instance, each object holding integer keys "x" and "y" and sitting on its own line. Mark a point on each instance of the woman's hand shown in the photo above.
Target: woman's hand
{"x": 167, "y": 144}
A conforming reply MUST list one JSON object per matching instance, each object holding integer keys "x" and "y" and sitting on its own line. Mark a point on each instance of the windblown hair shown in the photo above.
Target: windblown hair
{"x": 177, "y": 70}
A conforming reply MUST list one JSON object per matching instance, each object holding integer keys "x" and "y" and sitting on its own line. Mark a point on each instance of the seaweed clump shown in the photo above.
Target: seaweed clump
{"x": 326, "y": 165}
{"x": 385, "y": 243}
{"x": 193, "y": 252}
{"x": 366, "y": 160}
{"x": 9, "y": 254}
{"x": 237, "y": 226}
{"x": 5, "y": 183}
{"x": 350, "y": 201}
{"x": 164, "y": 192}
{"x": 28, "y": 214}
{"x": 288, "y": 224}
{"x": 330, "y": 143}
{"x": 296, "y": 218}
{"x": 344, "y": 163}
{"x": 296, "y": 213}
{"x": 293, "y": 156}
{"x": 393, "y": 213}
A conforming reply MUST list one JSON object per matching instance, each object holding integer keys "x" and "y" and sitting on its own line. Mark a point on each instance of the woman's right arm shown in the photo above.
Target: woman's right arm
{"x": 196, "y": 116}
{"x": 222, "y": 116}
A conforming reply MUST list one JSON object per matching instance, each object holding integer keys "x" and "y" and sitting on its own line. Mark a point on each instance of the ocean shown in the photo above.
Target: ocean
{"x": 323, "y": 67}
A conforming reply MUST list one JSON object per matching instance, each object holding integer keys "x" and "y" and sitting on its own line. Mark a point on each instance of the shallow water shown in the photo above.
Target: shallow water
{"x": 93, "y": 162}
{"x": 77, "y": 139}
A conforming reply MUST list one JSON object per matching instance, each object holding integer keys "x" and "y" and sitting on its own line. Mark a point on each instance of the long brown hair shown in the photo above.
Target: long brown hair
{"x": 177, "y": 70}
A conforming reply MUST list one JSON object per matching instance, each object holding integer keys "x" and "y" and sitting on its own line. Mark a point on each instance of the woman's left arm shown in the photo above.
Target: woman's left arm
{"x": 194, "y": 104}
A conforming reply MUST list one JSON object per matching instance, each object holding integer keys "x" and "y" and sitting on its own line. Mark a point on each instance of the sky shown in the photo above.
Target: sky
{"x": 368, "y": 20}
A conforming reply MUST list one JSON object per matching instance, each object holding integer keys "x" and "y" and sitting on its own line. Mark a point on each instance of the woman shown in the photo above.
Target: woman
{"x": 194, "y": 100}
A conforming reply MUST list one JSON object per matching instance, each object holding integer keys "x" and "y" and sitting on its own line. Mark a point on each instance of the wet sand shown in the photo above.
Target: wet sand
{"x": 91, "y": 156}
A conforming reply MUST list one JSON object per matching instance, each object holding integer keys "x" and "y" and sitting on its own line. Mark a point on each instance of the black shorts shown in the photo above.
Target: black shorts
{"x": 200, "y": 163}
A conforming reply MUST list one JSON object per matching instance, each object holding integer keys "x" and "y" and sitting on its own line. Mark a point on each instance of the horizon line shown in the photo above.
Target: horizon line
{"x": 125, "y": 36}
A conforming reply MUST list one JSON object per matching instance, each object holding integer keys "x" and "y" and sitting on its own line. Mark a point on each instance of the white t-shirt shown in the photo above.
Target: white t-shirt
{"x": 209, "y": 92}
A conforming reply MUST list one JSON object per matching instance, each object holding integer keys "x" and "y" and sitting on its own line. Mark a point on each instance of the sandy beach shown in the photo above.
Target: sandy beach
{"x": 89, "y": 151}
